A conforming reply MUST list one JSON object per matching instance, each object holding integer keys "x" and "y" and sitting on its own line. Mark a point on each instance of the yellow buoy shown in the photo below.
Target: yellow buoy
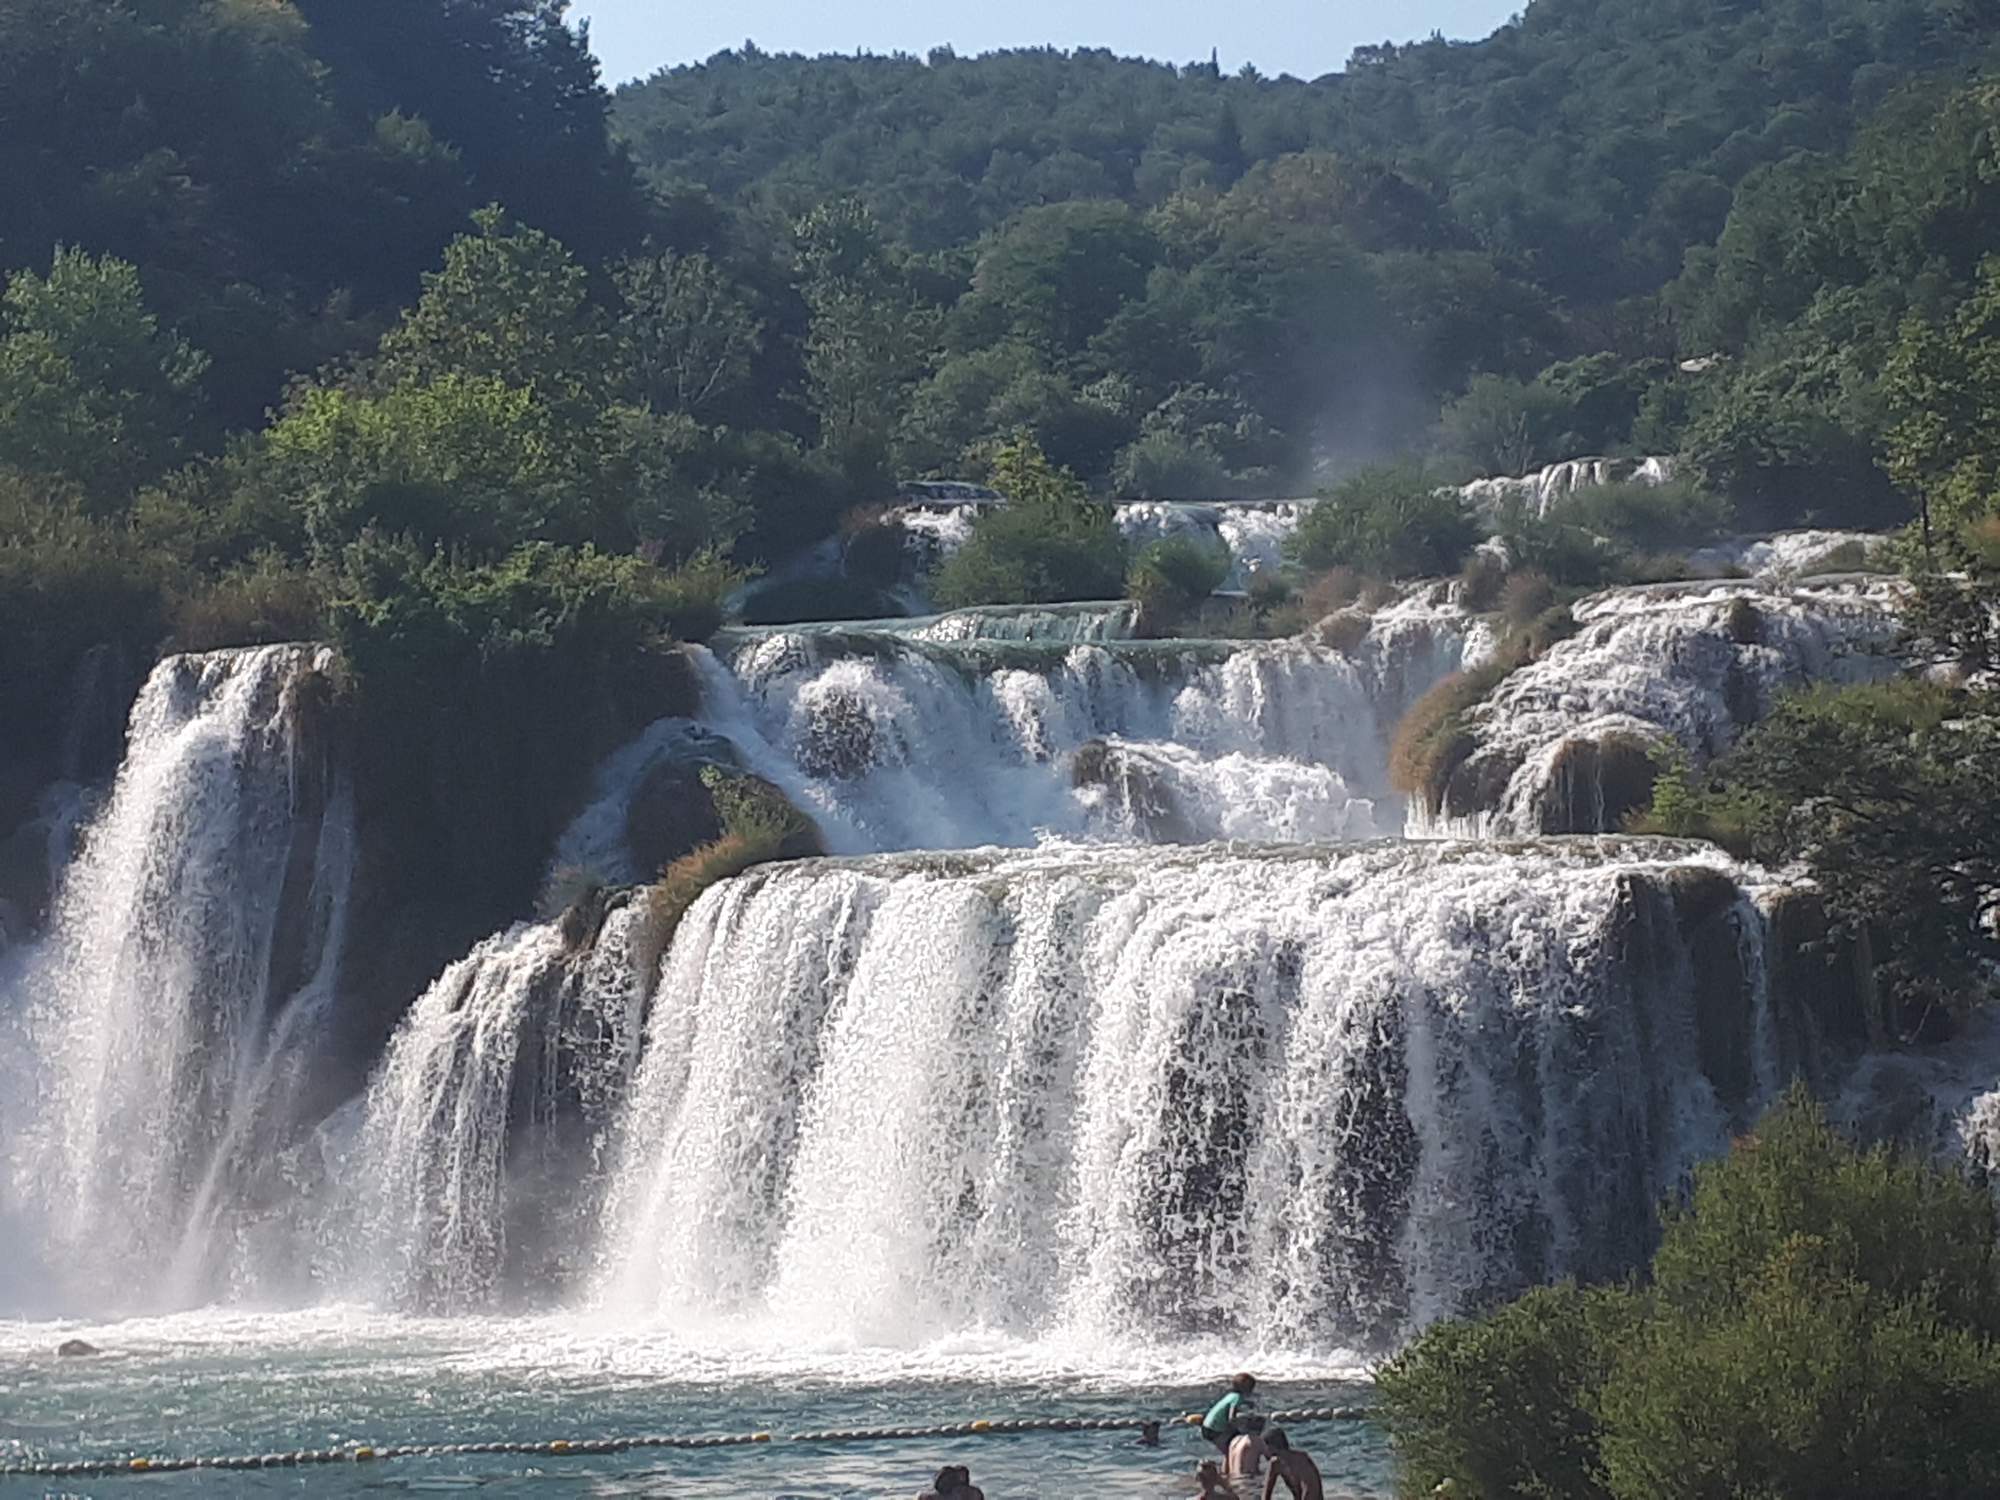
{"x": 982, "y": 1425}
{"x": 142, "y": 1464}
{"x": 560, "y": 1445}
{"x": 362, "y": 1455}
{"x": 760, "y": 1437}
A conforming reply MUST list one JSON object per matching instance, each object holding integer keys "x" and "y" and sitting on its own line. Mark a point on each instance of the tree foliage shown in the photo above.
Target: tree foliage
{"x": 1391, "y": 521}
{"x": 1818, "y": 1321}
{"x": 1049, "y": 544}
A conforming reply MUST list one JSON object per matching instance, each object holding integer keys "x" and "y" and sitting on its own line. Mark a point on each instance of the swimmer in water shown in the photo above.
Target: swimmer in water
{"x": 1246, "y": 1450}
{"x": 1149, "y": 1434}
{"x": 1300, "y": 1473}
{"x": 1213, "y": 1485}
{"x": 953, "y": 1482}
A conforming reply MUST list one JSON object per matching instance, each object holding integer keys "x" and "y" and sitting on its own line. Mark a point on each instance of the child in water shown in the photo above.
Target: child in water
{"x": 1220, "y": 1426}
{"x": 1213, "y": 1485}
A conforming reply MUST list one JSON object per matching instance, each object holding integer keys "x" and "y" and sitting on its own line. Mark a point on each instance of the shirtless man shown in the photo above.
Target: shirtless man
{"x": 1300, "y": 1473}
{"x": 1246, "y": 1450}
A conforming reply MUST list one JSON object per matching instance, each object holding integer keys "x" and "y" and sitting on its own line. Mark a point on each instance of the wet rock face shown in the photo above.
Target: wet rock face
{"x": 1595, "y": 784}
{"x": 841, "y": 741}
{"x": 670, "y": 814}
{"x": 1141, "y": 792}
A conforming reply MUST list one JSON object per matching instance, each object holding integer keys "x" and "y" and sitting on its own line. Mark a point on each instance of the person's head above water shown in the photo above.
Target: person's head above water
{"x": 1276, "y": 1440}
{"x": 947, "y": 1479}
{"x": 1253, "y": 1424}
{"x": 1149, "y": 1434}
{"x": 1243, "y": 1385}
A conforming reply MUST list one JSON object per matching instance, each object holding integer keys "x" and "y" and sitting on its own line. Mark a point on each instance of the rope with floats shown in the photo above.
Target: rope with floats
{"x": 582, "y": 1448}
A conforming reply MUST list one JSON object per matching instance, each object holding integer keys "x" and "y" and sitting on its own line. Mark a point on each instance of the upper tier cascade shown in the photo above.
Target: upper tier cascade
{"x": 1570, "y": 742}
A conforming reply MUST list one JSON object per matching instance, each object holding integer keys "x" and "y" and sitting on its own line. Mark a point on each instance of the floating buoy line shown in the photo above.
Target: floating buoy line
{"x": 363, "y": 1453}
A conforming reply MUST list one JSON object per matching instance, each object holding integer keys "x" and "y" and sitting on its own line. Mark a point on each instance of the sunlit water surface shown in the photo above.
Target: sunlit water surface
{"x": 229, "y": 1383}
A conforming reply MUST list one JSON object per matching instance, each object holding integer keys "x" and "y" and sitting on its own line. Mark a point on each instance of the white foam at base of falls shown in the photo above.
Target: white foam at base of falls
{"x": 167, "y": 1023}
{"x": 1319, "y": 1095}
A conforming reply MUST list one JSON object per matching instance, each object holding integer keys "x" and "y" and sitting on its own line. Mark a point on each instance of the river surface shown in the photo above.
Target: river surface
{"x": 221, "y": 1383}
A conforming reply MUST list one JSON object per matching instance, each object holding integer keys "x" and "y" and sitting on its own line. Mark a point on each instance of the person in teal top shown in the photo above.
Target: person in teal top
{"x": 1219, "y": 1426}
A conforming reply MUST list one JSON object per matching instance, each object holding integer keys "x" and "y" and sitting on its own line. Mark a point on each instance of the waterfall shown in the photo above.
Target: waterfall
{"x": 192, "y": 950}
{"x": 896, "y": 743}
{"x": 1544, "y": 490}
{"x": 1304, "y": 1096}
{"x": 1253, "y": 532}
{"x": 471, "y": 1177}
{"x": 1561, "y": 745}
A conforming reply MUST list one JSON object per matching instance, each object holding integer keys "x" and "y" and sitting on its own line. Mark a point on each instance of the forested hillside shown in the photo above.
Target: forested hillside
{"x": 1590, "y": 142}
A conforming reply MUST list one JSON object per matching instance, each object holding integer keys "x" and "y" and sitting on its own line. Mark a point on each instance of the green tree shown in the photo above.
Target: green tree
{"x": 1054, "y": 276}
{"x": 1819, "y": 1322}
{"x": 1502, "y": 426}
{"x": 92, "y": 390}
{"x": 1048, "y": 544}
{"x": 510, "y": 304}
{"x": 689, "y": 334}
{"x": 1943, "y": 386}
{"x": 869, "y": 340}
{"x": 1392, "y": 520}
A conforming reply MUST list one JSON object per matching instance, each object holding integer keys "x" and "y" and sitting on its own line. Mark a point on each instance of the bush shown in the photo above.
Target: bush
{"x": 1048, "y": 545}
{"x": 1482, "y": 581}
{"x": 688, "y": 600}
{"x": 260, "y": 602}
{"x": 1503, "y": 426}
{"x": 1890, "y": 792}
{"x": 873, "y": 547}
{"x": 1391, "y": 520}
{"x": 1819, "y": 1322}
{"x": 1527, "y": 596}
{"x": 1565, "y": 553}
{"x": 1503, "y": 1405}
{"x": 1172, "y": 580}
{"x": 1651, "y": 517}
{"x": 1337, "y": 588}
{"x": 486, "y": 693}
{"x": 69, "y": 586}
{"x": 1431, "y": 739}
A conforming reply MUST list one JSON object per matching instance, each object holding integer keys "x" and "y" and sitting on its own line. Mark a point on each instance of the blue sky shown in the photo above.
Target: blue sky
{"x": 1303, "y": 37}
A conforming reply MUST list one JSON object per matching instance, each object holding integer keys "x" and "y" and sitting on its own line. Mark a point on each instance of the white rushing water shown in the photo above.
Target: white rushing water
{"x": 898, "y": 744}
{"x": 1544, "y": 491}
{"x": 1252, "y": 532}
{"x": 170, "y": 1011}
{"x": 1315, "y": 1095}
{"x": 1686, "y": 664}
{"x": 472, "y": 1169}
